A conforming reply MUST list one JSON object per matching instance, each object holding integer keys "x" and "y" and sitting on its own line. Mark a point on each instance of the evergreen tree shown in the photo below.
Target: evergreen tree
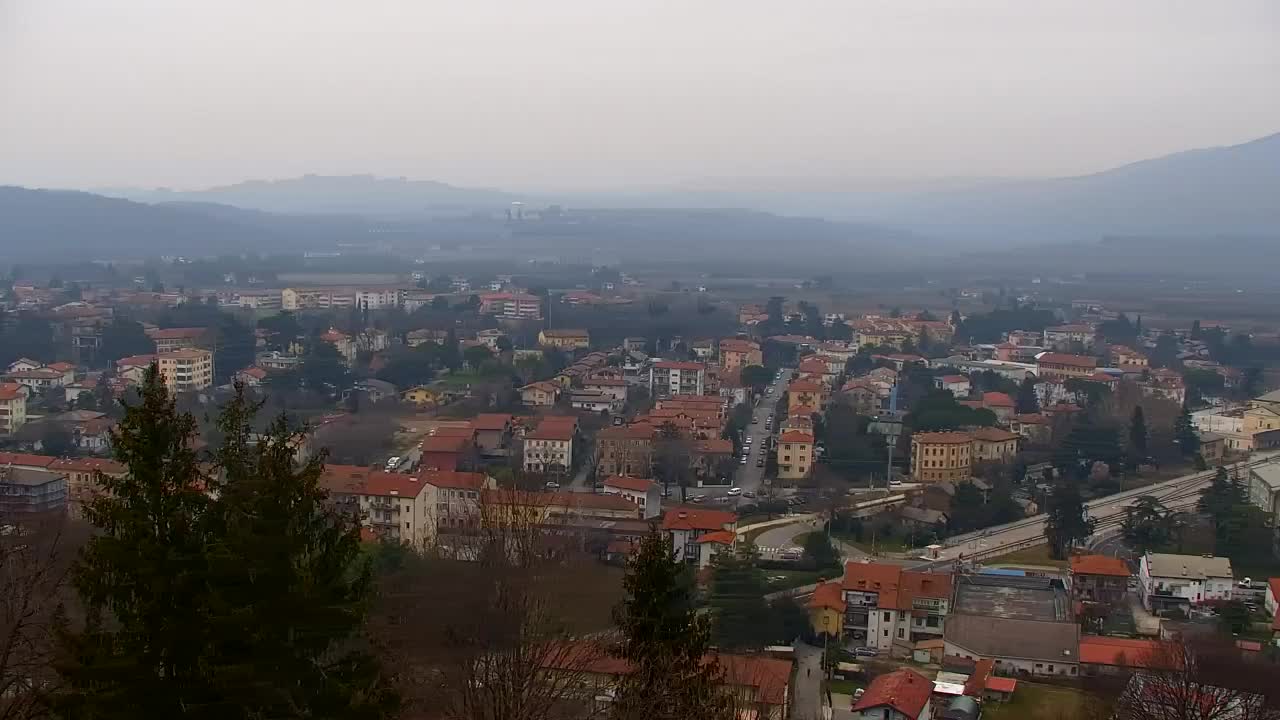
{"x": 143, "y": 577}
{"x": 1027, "y": 402}
{"x": 665, "y": 641}
{"x": 1146, "y": 524}
{"x": 289, "y": 581}
{"x": 1065, "y": 522}
{"x": 740, "y": 615}
{"x": 1195, "y": 330}
{"x": 1184, "y": 434}
{"x": 1138, "y": 433}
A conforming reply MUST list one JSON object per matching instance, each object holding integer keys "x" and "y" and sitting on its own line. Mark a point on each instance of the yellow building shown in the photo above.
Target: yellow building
{"x": 806, "y": 394}
{"x": 826, "y": 609}
{"x": 421, "y": 395}
{"x": 186, "y": 370}
{"x": 13, "y": 407}
{"x": 994, "y": 445}
{"x": 565, "y": 339}
{"x": 1263, "y": 414}
{"x": 795, "y": 454}
{"x": 938, "y": 456}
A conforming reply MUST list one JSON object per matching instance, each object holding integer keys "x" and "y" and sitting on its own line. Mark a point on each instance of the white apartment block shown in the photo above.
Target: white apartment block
{"x": 1168, "y": 581}
{"x": 186, "y": 370}
{"x": 669, "y": 377}
{"x": 13, "y": 407}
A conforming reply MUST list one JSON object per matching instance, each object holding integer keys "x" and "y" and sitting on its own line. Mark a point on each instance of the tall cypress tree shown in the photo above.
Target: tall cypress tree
{"x": 665, "y": 642}
{"x": 1138, "y": 433}
{"x": 143, "y": 577}
{"x": 740, "y": 615}
{"x": 1184, "y": 433}
{"x": 1027, "y": 402}
{"x": 289, "y": 583}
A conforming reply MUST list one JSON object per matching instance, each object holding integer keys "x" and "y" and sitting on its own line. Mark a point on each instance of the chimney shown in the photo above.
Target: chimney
{"x": 1184, "y": 571}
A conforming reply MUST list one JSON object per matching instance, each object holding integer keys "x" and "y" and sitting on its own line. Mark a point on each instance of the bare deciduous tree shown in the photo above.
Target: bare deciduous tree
{"x": 36, "y": 553}
{"x": 1200, "y": 678}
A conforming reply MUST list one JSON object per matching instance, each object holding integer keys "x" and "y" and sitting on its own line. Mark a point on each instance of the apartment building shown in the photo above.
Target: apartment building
{"x": 26, "y": 491}
{"x": 565, "y": 339}
{"x": 168, "y": 339}
{"x": 889, "y": 608}
{"x": 1055, "y": 366}
{"x": 186, "y": 370}
{"x": 294, "y": 299}
{"x": 625, "y": 450}
{"x": 672, "y": 377}
{"x": 641, "y": 491}
{"x": 82, "y": 479}
{"x": 40, "y": 379}
{"x": 736, "y": 354}
{"x": 992, "y": 444}
{"x": 1099, "y": 579}
{"x": 512, "y": 306}
{"x": 393, "y": 505}
{"x": 804, "y": 396}
{"x": 379, "y": 298}
{"x": 1168, "y": 581}
{"x": 13, "y": 407}
{"x": 1063, "y": 336}
{"x": 937, "y": 456}
{"x": 795, "y": 454}
{"x": 549, "y": 448}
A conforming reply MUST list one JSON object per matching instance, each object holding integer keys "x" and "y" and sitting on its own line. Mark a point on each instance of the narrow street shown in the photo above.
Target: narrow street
{"x": 807, "y": 698}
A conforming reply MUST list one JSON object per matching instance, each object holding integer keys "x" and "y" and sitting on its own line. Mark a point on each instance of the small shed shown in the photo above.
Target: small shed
{"x": 999, "y": 688}
{"x": 929, "y": 651}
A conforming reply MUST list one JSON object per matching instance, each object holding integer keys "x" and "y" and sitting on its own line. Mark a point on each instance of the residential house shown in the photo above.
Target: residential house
{"x": 1063, "y": 337}
{"x": 711, "y": 456}
{"x": 641, "y": 491}
{"x": 493, "y": 432}
{"x": 1264, "y": 488}
{"x": 1099, "y": 578}
{"x": 903, "y": 694}
{"x": 614, "y": 387}
{"x": 392, "y": 505}
{"x": 593, "y": 401}
{"x": 697, "y": 535}
{"x": 1126, "y": 358}
{"x": 922, "y": 519}
{"x": 625, "y": 450}
{"x": 795, "y": 454}
{"x": 672, "y": 377}
{"x": 448, "y": 449}
{"x": 992, "y": 444}
{"x": 24, "y": 364}
{"x": 453, "y": 500}
{"x": 1035, "y": 428}
{"x": 565, "y": 339}
{"x": 341, "y": 342}
{"x": 826, "y": 610}
{"x": 375, "y": 390}
{"x": 957, "y": 385}
{"x": 540, "y": 394}
{"x": 38, "y": 380}
{"x": 1051, "y": 365}
{"x": 422, "y": 396}
{"x": 25, "y": 491}
{"x": 549, "y": 448}
{"x": 804, "y": 394}
{"x": 736, "y": 354}
{"x": 251, "y": 376}
{"x": 416, "y": 338}
{"x": 862, "y": 395}
{"x": 13, "y": 407}
{"x": 890, "y": 608}
{"x": 186, "y": 370}
{"x": 998, "y": 403}
{"x": 1168, "y": 581}
{"x": 1103, "y": 655}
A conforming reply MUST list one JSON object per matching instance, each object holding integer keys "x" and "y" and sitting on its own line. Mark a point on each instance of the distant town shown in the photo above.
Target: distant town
{"x": 986, "y": 505}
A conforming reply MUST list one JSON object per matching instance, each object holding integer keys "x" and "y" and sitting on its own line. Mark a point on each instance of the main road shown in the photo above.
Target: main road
{"x": 1177, "y": 493}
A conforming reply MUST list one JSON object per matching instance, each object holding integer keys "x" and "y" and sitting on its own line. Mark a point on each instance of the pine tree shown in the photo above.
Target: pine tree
{"x": 288, "y": 581}
{"x": 1184, "y": 434}
{"x": 143, "y": 577}
{"x": 1065, "y": 522}
{"x": 665, "y": 642}
{"x": 1027, "y": 401}
{"x": 1138, "y": 433}
{"x": 740, "y": 615}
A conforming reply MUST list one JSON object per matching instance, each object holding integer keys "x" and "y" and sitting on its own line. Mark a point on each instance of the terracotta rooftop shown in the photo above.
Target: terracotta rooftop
{"x": 828, "y": 596}
{"x": 906, "y": 691}
{"x": 1100, "y": 650}
{"x": 691, "y": 519}
{"x": 1098, "y": 565}
{"x": 492, "y": 421}
{"x": 633, "y": 484}
{"x": 950, "y": 438}
{"x": 1067, "y": 359}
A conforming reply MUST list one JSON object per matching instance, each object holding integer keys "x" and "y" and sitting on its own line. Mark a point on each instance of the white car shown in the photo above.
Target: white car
{"x": 552, "y": 485}
{"x": 743, "y": 460}
{"x": 735, "y": 491}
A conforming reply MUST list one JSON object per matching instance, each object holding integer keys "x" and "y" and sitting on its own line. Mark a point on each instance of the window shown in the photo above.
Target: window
{"x": 886, "y": 617}
{"x": 900, "y": 633}
{"x": 886, "y": 632}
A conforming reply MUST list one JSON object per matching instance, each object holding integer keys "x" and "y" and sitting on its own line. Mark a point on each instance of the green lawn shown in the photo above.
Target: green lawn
{"x": 1032, "y": 700}
{"x": 844, "y": 687}
{"x": 881, "y": 545}
{"x": 787, "y": 579}
{"x": 1038, "y": 555}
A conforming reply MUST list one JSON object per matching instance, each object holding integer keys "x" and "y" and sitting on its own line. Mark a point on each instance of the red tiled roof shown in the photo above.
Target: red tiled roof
{"x": 9, "y": 391}
{"x": 804, "y": 386}
{"x": 177, "y": 333}
{"x": 1098, "y": 565}
{"x": 61, "y": 366}
{"x": 874, "y": 577}
{"x": 713, "y": 446}
{"x": 37, "y": 374}
{"x": 633, "y": 484}
{"x": 953, "y": 379}
{"x": 444, "y": 444}
{"x": 914, "y": 584}
{"x": 720, "y": 537}
{"x": 453, "y": 479}
{"x": 26, "y": 459}
{"x": 109, "y": 467}
{"x": 492, "y": 421}
{"x": 357, "y": 480}
{"x": 697, "y": 519}
{"x": 551, "y": 431}
{"x": 997, "y": 399}
{"x": 906, "y": 691}
{"x": 1067, "y": 359}
{"x": 977, "y": 681}
{"x": 1274, "y": 583}
{"x": 828, "y": 596}
{"x": 1100, "y": 650}
{"x": 796, "y": 436}
{"x": 626, "y": 432}
{"x": 1001, "y": 684}
{"x": 254, "y": 372}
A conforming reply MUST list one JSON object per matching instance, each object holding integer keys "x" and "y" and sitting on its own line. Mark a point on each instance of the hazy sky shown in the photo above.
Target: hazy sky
{"x": 557, "y": 94}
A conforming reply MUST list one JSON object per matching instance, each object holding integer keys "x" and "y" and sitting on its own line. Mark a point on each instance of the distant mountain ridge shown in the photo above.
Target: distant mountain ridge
{"x": 334, "y": 194}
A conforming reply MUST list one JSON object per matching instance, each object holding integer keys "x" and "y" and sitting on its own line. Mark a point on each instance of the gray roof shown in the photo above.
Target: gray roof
{"x": 1188, "y": 566}
{"x": 1268, "y": 474}
{"x": 996, "y": 637}
{"x": 1271, "y": 397}
{"x": 922, "y": 515}
{"x": 28, "y": 477}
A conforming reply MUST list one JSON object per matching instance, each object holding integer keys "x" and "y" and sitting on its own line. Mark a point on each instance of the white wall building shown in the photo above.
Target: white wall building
{"x": 1168, "y": 581}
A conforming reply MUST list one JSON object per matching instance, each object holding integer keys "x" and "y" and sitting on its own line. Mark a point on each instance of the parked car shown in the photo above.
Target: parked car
{"x": 696, "y": 498}
{"x": 743, "y": 461}
{"x": 552, "y": 485}
{"x": 760, "y": 461}
{"x": 748, "y": 494}
{"x": 865, "y": 652}
{"x": 735, "y": 491}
